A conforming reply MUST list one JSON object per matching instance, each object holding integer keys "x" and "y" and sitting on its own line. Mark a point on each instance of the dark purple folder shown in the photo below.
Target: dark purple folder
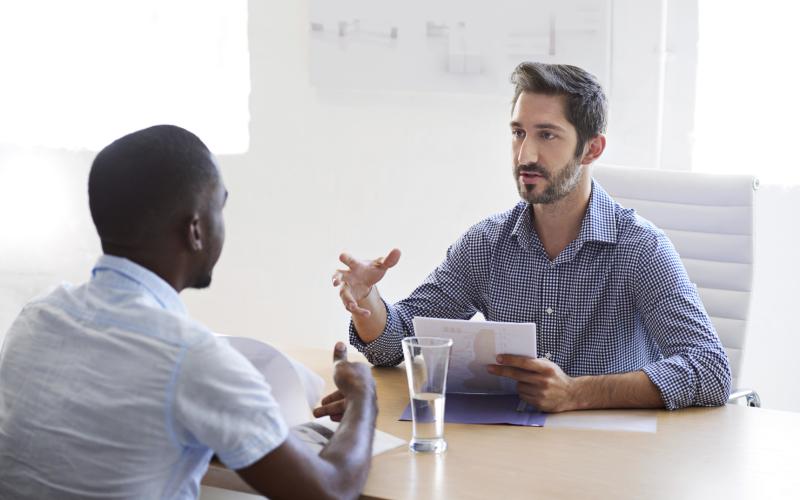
{"x": 485, "y": 409}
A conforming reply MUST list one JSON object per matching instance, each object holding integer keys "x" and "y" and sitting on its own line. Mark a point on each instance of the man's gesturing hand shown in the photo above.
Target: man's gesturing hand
{"x": 540, "y": 382}
{"x": 353, "y": 381}
{"x": 355, "y": 283}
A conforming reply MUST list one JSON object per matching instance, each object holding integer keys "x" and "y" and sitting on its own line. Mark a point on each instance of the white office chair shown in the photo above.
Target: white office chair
{"x": 709, "y": 219}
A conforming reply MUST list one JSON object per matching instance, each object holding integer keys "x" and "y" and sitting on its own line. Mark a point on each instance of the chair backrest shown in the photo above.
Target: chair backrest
{"x": 709, "y": 219}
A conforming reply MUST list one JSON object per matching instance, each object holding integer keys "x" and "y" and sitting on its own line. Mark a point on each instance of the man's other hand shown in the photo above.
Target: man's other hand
{"x": 540, "y": 382}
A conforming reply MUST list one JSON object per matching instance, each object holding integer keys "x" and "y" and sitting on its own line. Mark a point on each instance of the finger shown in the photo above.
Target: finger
{"x": 349, "y": 301}
{"x": 532, "y": 399}
{"x": 540, "y": 365}
{"x": 330, "y": 398}
{"x": 337, "y": 418}
{"x": 390, "y": 260}
{"x": 339, "y": 353}
{"x": 336, "y": 408}
{"x": 358, "y": 311}
{"x": 512, "y": 372}
{"x": 339, "y": 277}
{"x": 530, "y": 389}
{"x": 347, "y": 259}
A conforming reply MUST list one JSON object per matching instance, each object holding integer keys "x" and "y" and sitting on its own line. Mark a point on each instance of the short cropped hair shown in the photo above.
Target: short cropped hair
{"x": 586, "y": 103}
{"x": 140, "y": 183}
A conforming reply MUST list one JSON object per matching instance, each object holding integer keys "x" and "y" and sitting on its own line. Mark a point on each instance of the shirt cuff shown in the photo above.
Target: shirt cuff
{"x": 676, "y": 381}
{"x": 386, "y": 350}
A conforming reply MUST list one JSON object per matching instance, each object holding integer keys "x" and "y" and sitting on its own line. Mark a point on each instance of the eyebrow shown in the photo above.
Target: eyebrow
{"x": 540, "y": 126}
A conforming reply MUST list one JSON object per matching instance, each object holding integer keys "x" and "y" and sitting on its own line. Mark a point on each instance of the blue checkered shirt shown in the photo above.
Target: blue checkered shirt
{"x": 617, "y": 299}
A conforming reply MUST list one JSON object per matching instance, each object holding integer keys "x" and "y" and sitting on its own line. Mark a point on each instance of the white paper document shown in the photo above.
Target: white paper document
{"x": 318, "y": 432}
{"x": 297, "y": 390}
{"x": 476, "y": 344}
{"x": 295, "y": 387}
{"x": 605, "y": 420}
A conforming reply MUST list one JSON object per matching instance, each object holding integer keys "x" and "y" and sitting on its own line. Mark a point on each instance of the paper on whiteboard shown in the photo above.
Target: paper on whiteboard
{"x": 296, "y": 388}
{"x": 476, "y": 344}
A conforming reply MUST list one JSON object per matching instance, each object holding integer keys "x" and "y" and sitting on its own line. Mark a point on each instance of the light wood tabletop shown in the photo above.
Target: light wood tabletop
{"x": 726, "y": 453}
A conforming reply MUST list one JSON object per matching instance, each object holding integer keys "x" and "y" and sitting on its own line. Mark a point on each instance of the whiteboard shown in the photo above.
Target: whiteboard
{"x": 451, "y": 45}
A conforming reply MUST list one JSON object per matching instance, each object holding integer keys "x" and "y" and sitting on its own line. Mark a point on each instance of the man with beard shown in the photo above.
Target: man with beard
{"x": 619, "y": 324}
{"x": 111, "y": 390}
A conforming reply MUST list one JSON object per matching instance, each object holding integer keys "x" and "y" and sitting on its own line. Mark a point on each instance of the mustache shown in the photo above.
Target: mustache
{"x": 532, "y": 168}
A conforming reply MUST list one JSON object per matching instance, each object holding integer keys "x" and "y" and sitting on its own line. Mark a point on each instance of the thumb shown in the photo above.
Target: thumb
{"x": 391, "y": 259}
{"x": 339, "y": 352}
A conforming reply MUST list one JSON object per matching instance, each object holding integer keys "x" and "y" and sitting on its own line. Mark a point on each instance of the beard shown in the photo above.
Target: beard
{"x": 559, "y": 184}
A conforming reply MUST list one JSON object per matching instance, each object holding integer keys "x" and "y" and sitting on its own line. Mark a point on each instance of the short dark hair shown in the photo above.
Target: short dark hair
{"x": 587, "y": 106}
{"x": 141, "y": 182}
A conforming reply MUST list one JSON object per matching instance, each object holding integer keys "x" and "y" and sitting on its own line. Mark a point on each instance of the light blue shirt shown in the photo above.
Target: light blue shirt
{"x": 110, "y": 390}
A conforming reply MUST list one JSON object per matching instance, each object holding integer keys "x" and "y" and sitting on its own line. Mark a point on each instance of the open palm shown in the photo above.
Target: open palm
{"x": 356, "y": 282}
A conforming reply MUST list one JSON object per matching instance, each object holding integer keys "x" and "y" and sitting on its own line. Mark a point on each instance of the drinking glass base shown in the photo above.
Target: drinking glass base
{"x": 427, "y": 445}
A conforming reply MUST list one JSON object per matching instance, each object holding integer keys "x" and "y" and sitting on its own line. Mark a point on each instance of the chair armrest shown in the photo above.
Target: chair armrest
{"x": 751, "y": 397}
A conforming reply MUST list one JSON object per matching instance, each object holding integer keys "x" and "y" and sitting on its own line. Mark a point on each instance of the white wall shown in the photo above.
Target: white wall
{"x": 333, "y": 171}
{"x": 365, "y": 171}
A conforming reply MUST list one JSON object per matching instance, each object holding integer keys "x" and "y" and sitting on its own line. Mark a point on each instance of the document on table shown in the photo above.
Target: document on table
{"x": 297, "y": 389}
{"x": 605, "y": 420}
{"x": 486, "y": 409}
{"x": 474, "y": 396}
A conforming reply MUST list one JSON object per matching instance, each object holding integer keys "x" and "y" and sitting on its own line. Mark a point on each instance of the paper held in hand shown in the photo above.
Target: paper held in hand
{"x": 476, "y": 344}
{"x": 297, "y": 390}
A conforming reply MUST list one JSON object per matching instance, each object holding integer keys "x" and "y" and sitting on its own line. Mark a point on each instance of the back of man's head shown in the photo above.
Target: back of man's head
{"x": 143, "y": 184}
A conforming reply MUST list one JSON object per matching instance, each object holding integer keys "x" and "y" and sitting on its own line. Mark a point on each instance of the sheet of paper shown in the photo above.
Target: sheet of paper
{"x": 476, "y": 344}
{"x": 318, "y": 432}
{"x": 485, "y": 409}
{"x": 605, "y": 420}
{"x": 296, "y": 388}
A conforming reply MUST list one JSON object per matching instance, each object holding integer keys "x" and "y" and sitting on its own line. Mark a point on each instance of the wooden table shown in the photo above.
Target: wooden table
{"x": 710, "y": 453}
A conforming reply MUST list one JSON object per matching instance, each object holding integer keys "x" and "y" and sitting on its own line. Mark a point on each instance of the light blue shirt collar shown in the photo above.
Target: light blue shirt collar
{"x": 139, "y": 277}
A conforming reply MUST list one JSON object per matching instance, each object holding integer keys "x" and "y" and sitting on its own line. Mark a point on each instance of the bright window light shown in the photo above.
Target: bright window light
{"x": 79, "y": 74}
{"x": 746, "y": 115}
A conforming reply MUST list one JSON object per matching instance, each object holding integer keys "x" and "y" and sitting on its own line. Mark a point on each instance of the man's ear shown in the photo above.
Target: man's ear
{"x": 195, "y": 233}
{"x": 593, "y": 148}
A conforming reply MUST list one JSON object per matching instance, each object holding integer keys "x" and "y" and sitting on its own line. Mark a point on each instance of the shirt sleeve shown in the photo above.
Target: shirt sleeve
{"x": 224, "y": 403}
{"x": 695, "y": 369}
{"x": 448, "y": 292}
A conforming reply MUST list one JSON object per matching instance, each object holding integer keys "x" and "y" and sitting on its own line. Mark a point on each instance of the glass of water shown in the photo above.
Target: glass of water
{"x": 426, "y": 360}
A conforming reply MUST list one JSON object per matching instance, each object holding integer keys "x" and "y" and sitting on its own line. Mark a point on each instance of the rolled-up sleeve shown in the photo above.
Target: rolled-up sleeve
{"x": 694, "y": 370}
{"x": 448, "y": 292}
{"x": 386, "y": 350}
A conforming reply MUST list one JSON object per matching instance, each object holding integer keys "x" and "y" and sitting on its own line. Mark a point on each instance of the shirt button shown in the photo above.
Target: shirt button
{"x": 549, "y": 310}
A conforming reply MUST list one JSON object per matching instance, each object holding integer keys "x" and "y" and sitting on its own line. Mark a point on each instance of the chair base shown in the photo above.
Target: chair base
{"x": 750, "y": 396}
